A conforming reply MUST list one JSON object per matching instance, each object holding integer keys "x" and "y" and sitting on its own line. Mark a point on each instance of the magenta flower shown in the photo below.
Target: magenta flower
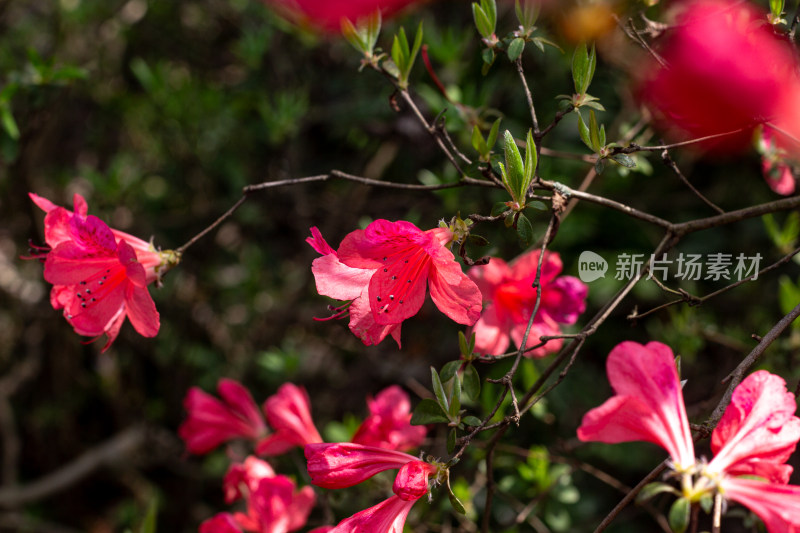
{"x": 289, "y": 414}
{"x": 389, "y": 516}
{"x": 344, "y": 464}
{"x": 510, "y": 298}
{"x": 99, "y": 275}
{"x": 212, "y": 422}
{"x": 755, "y": 436}
{"x": 328, "y": 14}
{"x": 242, "y": 478}
{"x": 725, "y": 70}
{"x": 777, "y": 172}
{"x": 400, "y": 260}
{"x": 389, "y": 422}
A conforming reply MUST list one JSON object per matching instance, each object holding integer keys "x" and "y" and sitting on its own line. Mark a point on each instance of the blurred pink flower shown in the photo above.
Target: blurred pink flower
{"x": 220, "y": 523}
{"x": 341, "y": 282}
{"x": 328, "y": 14}
{"x": 777, "y": 172}
{"x": 647, "y": 405}
{"x": 400, "y": 260}
{"x": 344, "y": 464}
{"x": 212, "y": 422}
{"x": 242, "y": 478}
{"x": 725, "y": 70}
{"x": 755, "y": 436}
{"x": 99, "y": 275}
{"x": 510, "y": 298}
{"x": 389, "y": 422}
{"x": 289, "y": 414}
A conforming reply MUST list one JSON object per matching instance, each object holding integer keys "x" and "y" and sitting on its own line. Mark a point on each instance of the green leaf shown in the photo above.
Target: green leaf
{"x": 583, "y": 130}
{"x": 652, "y": 489}
{"x": 428, "y": 412}
{"x": 472, "y": 382}
{"x": 524, "y": 231}
{"x": 490, "y": 8}
{"x": 599, "y": 166}
{"x": 451, "y": 440}
{"x": 455, "y": 502}
{"x": 415, "y": 48}
{"x": 455, "y": 398}
{"x": 492, "y": 138}
{"x": 477, "y": 141}
{"x": 482, "y": 23}
{"x": 590, "y": 72}
{"x": 679, "y": 515}
{"x": 776, "y": 7}
{"x": 580, "y": 68}
{"x": 9, "y": 124}
{"x": 149, "y": 523}
{"x": 515, "y": 169}
{"x": 531, "y": 160}
{"x": 438, "y": 390}
{"x": 594, "y": 132}
{"x": 463, "y": 344}
{"x": 449, "y": 369}
{"x": 536, "y": 204}
{"x": 470, "y": 420}
{"x": 372, "y": 30}
{"x": 624, "y": 159}
{"x": 707, "y": 502}
{"x": 478, "y": 240}
{"x": 515, "y": 49}
{"x": 400, "y": 51}
{"x": 527, "y": 13}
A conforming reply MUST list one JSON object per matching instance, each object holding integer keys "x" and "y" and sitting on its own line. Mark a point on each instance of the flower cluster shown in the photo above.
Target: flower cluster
{"x": 383, "y": 271}
{"x": 510, "y": 298}
{"x": 751, "y": 444}
{"x": 99, "y": 275}
{"x": 274, "y": 504}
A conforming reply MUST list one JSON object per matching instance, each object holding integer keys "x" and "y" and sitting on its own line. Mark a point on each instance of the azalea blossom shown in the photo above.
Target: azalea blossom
{"x": 389, "y": 266}
{"x": 755, "y": 436}
{"x": 328, "y": 14}
{"x": 99, "y": 275}
{"x": 273, "y": 503}
{"x": 776, "y": 170}
{"x": 724, "y": 69}
{"x": 342, "y": 465}
{"x": 388, "y": 425}
{"x": 212, "y": 422}
{"x": 289, "y": 414}
{"x": 510, "y": 298}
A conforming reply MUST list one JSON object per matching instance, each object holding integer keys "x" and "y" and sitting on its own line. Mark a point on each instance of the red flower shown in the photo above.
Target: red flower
{"x": 99, "y": 275}
{"x": 725, "y": 70}
{"x": 328, "y": 14}
{"x": 212, "y": 422}
{"x": 510, "y": 298}
{"x": 389, "y": 422}
{"x": 344, "y": 464}
{"x": 289, "y": 414}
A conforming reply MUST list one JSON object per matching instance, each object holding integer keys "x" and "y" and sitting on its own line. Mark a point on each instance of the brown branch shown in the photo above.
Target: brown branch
{"x": 671, "y": 164}
{"x": 528, "y": 96}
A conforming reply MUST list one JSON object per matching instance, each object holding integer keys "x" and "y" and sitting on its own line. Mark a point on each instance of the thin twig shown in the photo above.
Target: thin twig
{"x": 671, "y": 164}
{"x": 528, "y": 95}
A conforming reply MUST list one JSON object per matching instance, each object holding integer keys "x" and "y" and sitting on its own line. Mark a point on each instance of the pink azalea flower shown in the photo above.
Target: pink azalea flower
{"x": 647, "y": 405}
{"x": 212, "y": 422}
{"x": 758, "y": 431}
{"x": 411, "y": 482}
{"x": 510, "y": 298}
{"x": 389, "y": 516}
{"x": 289, "y": 414}
{"x": 328, "y": 14}
{"x": 99, "y": 275}
{"x": 755, "y": 436}
{"x": 777, "y": 173}
{"x": 242, "y": 479}
{"x": 344, "y": 464}
{"x": 400, "y": 260}
{"x": 220, "y": 523}
{"x": 725, "y": 70}
{"x": 341, "y": 282}
{"x": 777, "y": 505}
{"x": 389, "y": 422}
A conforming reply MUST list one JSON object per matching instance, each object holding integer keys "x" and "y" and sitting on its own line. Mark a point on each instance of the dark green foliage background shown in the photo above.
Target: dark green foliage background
{"x": 159, "y": 112}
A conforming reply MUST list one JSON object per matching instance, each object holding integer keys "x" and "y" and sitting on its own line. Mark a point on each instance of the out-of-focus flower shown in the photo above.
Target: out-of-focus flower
{"x": 328, "y": 14}
{"x": 388, "y": 425}
{"x": 289, "y": 414}
{"x": 99, "y": 275}
{"x": 510, "y": 297}
{"x": 242, "y": 478}
{"x": 587, "y": 22}
{"x": 212, "y": 422}
{"x": 755, "y": 436}
{"x": 777, "y": 172}
{"x": 725, "y": 70}
{"x": 401, "y": 261}
{"x": 344, "y": 464}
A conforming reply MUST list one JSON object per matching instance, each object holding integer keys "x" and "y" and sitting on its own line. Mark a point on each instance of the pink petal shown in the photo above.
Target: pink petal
{"x": 337, "y": 280}
{"x": 777, "y": 505}
{"x": 397, "y": 291}
{"x": 565, "y": 299}
{"x": 648, "y": 404}
{"x": 318, "y": 243}
{"x": 389, "y": 424}
{"x": 43, "y": 203}
{"x": 491, "y": 334}
{"x": 289, "y": 414}
{"x": 461, "y": 301}
{"x": 543, "y": 325}
{"x": 525, "y": 267}
{"x": 141, "y": 311}
{"x": 363, "y": 325}
{"x": 411, "y": 482}
{"x": 344, "y": 464}
{"x": 220, "y": 523}
{"x": 487, "y": 277}
{"x": 388, "y": 516}
{"x": 758, "y": 427}
{"x": 244, "y": 475}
